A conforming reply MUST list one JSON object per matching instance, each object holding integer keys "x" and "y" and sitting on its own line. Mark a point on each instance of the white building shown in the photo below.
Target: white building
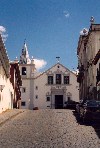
{"x": 51, "y": 89}
{"x": 54, "y": 87}
{"x": 27, "y": 68}
{"x": 6, "y": 88}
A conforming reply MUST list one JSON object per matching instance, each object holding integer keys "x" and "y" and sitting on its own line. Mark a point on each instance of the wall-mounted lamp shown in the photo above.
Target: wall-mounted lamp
{"x": 2, "y": 87}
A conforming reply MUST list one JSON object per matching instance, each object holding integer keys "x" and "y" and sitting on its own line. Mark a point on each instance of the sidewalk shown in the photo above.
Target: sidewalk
{"x": 5, "y": 116}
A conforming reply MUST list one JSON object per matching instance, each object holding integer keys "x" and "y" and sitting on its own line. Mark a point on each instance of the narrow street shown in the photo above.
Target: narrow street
{"x": 48, "y": 129}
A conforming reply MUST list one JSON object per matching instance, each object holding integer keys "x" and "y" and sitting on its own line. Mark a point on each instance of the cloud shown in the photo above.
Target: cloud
{"x": 84, "y": 31}
{"x": 76, "y": 71}
{"x": 66, "y": 14}
{"x": 39, "y": 63}
{"x": 2, "y": 29}
{"x": 3, "y": 33}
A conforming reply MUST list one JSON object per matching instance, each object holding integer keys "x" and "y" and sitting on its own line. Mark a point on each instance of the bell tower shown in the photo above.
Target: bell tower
{"x": 27, "y": 68}
{"x": 24, "y": 58}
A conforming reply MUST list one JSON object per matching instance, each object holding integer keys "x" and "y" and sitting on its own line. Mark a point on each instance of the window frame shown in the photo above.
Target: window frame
{"x": 36, "y": 97}
{"x": 23, "y": 71}
{"x": 68, "y": 80}
{"x": 50, "y": 82}
{"x": 36, "y": 87}
{"x": 58, "y": 81}
{"x": 47, "y": 98}
{"x": 23, "y": 88}
{"x": 23, "y": 103}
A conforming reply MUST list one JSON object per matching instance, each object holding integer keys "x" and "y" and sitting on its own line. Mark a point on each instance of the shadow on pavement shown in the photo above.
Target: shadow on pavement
{"x": 94, "y": 124}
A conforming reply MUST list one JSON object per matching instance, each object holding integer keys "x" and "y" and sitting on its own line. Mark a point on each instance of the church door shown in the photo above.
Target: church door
{"x": 58, "y": 101}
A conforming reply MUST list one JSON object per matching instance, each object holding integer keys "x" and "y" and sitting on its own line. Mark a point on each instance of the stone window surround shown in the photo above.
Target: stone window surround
{"x": 23, "y": 70}
{"x": 62, "y": 77}
{"x": 69, "y": 78}
{"x": 23, "y": 103}
{"x": 36, "y": 97}
{"x": 48, "y": 98}
{"x": 36, "y": 87}
{"x": 48, "y": 80}
{"x": 23, "y": 89}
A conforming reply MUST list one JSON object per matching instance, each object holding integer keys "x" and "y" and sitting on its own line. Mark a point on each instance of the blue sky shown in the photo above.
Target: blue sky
{"x": 51, "y": 27}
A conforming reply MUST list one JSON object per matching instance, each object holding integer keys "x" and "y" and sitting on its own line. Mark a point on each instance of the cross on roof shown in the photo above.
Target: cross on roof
{"x": 58, "y": 59}
{"x": 24, "y": 41}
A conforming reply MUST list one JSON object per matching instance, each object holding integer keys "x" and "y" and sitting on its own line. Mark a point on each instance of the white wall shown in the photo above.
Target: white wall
{"x": 44, "y": 88}
{"x": 27, "y": 79}
{"x": 25, "y": 96}
{"x": 6, "y": 95}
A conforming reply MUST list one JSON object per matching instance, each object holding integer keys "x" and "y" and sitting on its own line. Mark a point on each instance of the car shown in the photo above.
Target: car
{"x": 78, "y": 105}
{"x": 70, "y": 104}
{"x": 90, "y": 110}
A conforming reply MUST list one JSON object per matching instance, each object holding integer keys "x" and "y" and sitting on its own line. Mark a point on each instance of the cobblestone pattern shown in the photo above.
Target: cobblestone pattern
{"x": 47, "y": 129}
{"x": 5, "y": 116}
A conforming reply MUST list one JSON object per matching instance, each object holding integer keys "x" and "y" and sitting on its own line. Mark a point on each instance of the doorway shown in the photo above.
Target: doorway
{"x": 58, "y": 101}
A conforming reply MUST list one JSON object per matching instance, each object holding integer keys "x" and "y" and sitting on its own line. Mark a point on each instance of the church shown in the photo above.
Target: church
{"x": 48, "y": 90}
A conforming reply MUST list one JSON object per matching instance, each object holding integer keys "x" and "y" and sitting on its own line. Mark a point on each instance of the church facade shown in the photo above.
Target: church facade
{"x": 50, "y": 89}
{"x": 54, "y": 87}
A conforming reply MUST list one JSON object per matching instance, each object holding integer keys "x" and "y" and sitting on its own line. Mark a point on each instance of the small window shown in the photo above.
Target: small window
{"x": 23, "y": 70}
{"x": 23, "y": 90}
{"x": 69, "y": 99}
{"x": 36, "y": 87}
{"x": 58, "y": 78}
{"x": 23, "y": 103}
{"x": 50, "y": 79}
{"x": 48, "y": 98}
{"x": 66, "y": 79}
{"x": 36, "y": 96}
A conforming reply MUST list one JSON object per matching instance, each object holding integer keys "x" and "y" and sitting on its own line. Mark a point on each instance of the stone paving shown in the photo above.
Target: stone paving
{"x": 6, "y": 115}
{"x": 47, "y": 129}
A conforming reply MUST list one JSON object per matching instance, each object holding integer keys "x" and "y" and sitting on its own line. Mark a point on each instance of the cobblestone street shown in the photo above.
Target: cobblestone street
{"x": 47, "y": 129}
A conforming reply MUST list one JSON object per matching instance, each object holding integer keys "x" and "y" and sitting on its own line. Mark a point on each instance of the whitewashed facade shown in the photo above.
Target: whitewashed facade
{"x": 6, "y": 88}
{"x": 27, "y": 69}
{"x": 43, "y": 90}
{"x": 54, "y": 87}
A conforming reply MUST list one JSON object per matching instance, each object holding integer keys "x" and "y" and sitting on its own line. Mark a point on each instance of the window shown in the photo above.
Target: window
{"x": 23, "y": 103}
{"x": 23, "y": 89}
{"x": 66, "y": 79}
{"x": 36, "y": 87}
{"x": 23, "y": 70}
{"x": 36, "y": 96}
{"x": 48, "y": 98}
{"x": 48, "y": 106}
{"x": 50, "y": 79}
{"x": 69, "y": 99}
{"x": 58, "y": 78}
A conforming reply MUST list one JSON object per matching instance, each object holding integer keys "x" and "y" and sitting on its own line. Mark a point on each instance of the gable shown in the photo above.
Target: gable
{"x": 57, "y": 68}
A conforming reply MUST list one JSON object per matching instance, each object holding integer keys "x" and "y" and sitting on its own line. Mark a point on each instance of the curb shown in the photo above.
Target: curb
{"x": 10, "y": 117}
